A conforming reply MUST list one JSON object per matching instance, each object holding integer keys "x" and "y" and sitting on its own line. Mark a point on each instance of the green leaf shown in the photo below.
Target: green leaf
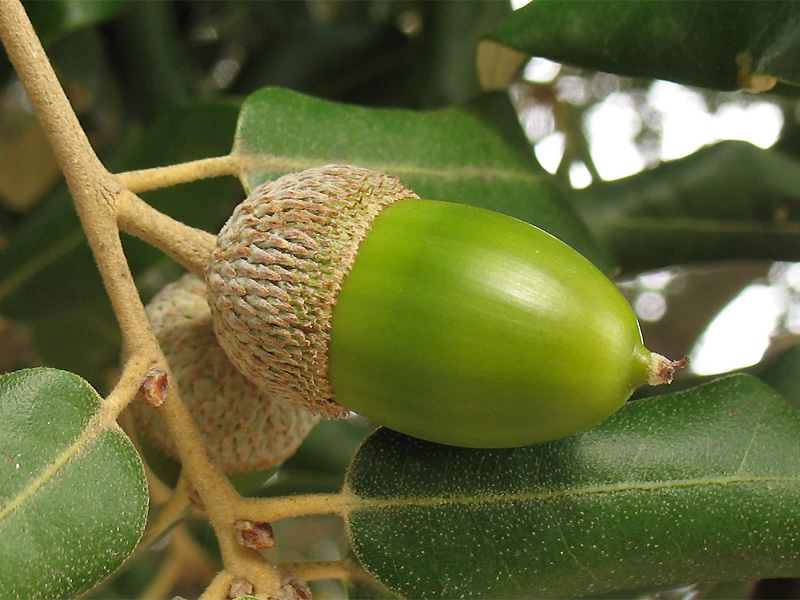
{"x": 321, "y": 461}
{"x": 717, "y": 45}
{"x": 48, "y": 279}
{"x": 55, "y": 19}
{"x": 730, "y": 201}
{"x": 444, "y": 72}
{"x": 73, "y": 495}
{"x": 414, "y": 54}
{"x": 153, "y": 57}
{"x": 780, "y": 373}
{"x": 362, "y": 586}
{"x": 472, "y": 154}
{"x": 695, "y": 486}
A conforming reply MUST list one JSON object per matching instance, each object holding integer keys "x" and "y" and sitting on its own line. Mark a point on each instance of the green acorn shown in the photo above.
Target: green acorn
{"x": 340, "y": 289}
{"x": 245, "y": 429}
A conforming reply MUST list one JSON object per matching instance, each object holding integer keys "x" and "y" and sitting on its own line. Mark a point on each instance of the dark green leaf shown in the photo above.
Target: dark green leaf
{"x": 362, "y": 586}
{"x": 474, "y": 154}
{"x": 151, "y": 57}
{"x": 73, "y": 495}
{"x": 444, "y": 72}
{"x": 56, "y": 18}
{"x": 726, "y": 202}
{"x": 695, "y": 486}
{"x": 48, "y": 279}
{"x": 782, "y": 373}
{"x": 414, "y": 53}
{"x": 712, "y": 44}
{"x": 319, "y": 465}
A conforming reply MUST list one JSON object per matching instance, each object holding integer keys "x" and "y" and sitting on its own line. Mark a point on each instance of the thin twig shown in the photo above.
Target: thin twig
{"x": 219, "y": 587}
{"x": 134, "y": 371}
{"x": 185, "y": 561}
{"x": 169, "y": 514}
{"x": 172, "y": 569}
{"x": 313, "y": 571}
{"x": 158, "y": 177}
{"x": 218, "y": 494}
{"x": 273, "y": 509}
{"x": 189, "y": 246}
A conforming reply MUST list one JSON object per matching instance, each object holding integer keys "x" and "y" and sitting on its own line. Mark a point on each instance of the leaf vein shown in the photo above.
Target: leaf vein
{"x": 359, "y": 503}
{"x": 450, "y": 172}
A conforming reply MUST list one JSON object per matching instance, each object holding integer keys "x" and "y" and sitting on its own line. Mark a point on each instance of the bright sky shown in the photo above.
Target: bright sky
{"x": 686, "y": 123}
{"x": 741, "y": 333}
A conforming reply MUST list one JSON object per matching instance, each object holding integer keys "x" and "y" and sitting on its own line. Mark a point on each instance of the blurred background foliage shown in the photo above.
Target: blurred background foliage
{"x": 140, "y": 74}
{"x": 161, "y": 82}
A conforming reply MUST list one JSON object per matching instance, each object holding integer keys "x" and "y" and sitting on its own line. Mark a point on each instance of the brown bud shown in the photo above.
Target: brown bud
{"x": 294, "y": 588}
{"x": 154, "y": 388}
{"x": 256, "y": 536}
{"x": 240, "y": 587}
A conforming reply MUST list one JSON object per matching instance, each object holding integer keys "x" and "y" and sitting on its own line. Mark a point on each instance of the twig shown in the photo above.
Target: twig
{"x": 169, "y": 514}
{"x": 220, "y": 498}
{"x": 184, "y": 560}
{"x": 172, "y": 569}
{"x": 159, "y": 177}
{"x": 274, "y": 509}
{"x": 219, "y": 587}
{"x": 188, "y": 246}
{"x": 313, "y": 571}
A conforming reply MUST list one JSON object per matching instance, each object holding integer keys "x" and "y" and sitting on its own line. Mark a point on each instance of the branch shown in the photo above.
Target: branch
{"x": 104, "y": 204}
{"x": 218, "y": 494}
{"x": 220, "y": 587}
{"x": 94, "y": 189}
{"x": 98, "y": 195}
{"x": 133, "y": 373}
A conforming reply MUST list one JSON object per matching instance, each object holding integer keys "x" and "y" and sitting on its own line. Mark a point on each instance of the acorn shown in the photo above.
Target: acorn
{"x": 340, "y": 289}
{"x": 245, "y": 428}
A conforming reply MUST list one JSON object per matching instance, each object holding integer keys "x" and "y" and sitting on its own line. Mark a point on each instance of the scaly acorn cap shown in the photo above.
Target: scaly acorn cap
{"x": 277, "y": 268}
{"x": 244, "y": 428}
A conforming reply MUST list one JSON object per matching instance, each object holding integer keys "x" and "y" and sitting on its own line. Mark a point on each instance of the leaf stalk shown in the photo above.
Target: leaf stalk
{"x": 188, "y": 246}
{"x": 144, "y": 180}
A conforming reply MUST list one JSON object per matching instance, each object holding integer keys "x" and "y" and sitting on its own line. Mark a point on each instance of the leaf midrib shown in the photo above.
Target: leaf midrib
{"x": 360, "y": 503}
{"x": 266, "y": 162}
{"x": 98, "y": 424}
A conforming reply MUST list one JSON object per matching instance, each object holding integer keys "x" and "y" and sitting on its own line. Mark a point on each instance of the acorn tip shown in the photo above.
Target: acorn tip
{"x": 663, "y": 369}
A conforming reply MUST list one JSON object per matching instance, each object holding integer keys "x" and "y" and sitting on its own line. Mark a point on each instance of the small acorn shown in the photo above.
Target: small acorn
{"x": 340, "y": 289}
{"x": 245, "y": 429}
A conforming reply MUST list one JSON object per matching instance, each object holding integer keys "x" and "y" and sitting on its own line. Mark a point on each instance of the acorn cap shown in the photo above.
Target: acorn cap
{"x": 244, "y": 428}
{"x": 277, "y": 268}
